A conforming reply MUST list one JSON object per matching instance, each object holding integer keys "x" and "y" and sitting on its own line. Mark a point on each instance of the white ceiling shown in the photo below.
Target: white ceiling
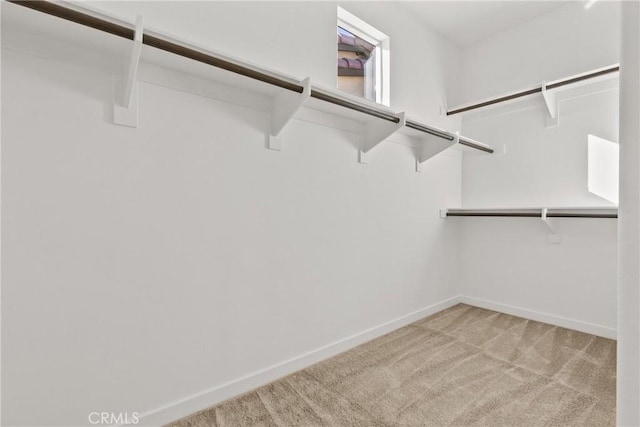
{"x": 468, "y": 22}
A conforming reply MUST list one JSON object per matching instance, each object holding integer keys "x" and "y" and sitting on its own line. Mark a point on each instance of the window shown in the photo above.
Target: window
{"x": 363, "y": 59}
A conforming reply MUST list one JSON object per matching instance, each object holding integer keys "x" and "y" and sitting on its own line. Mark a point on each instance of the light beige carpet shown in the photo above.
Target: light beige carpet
{"x": 462, "y": 366}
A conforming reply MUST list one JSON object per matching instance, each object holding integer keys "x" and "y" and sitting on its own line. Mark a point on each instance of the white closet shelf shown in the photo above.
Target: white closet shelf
{"x": 74, "y": 25}
{"x": 323, "y": 99}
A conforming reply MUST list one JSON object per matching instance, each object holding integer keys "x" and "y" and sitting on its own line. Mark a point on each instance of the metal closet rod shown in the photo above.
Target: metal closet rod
{"x": 472, "y": 144}
{"x": 353, "y": 106}
{"x": 447, "y": 136}
{"x": 196, "y": 55}
{"x": 422, "y": 128}
{"x": 528, "y": 92}
{"x": 533, "y": 214}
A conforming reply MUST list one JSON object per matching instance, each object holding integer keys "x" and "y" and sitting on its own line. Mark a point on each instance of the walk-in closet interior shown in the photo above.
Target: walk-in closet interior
{"x": 320, "y": 213}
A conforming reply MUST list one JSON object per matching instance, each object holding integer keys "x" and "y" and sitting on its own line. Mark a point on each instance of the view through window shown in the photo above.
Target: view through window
{"x": 356, "y": 65}
{"x": 363, "y": 59}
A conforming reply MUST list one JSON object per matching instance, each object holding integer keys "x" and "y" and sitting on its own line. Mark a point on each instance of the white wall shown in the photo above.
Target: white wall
{"x": 507, "y": 261}
{"x": 541, "y": 166}
{"x": 561, "y": 43}
{"x": 628, "y": 384}
{"x": 145, "y": 266}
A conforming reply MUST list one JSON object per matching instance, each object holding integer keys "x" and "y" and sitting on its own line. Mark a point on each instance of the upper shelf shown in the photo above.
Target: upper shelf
{"x": 173, "y": 53}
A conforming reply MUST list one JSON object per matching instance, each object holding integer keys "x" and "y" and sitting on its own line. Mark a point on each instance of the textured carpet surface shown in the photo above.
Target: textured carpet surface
{"x": 462, "y": 366}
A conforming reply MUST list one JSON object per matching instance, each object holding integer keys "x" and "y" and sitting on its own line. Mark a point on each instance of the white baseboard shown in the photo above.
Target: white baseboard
{"x": 589, "y": 328}
{"x": 183, "y": 407}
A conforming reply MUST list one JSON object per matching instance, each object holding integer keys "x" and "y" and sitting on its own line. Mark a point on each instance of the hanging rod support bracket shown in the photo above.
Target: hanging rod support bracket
{"x": 551, "y": 101}
{"x": 283, "y": 107}
{"x": 430, "y": 145}
{"x": 376, "y": 131}
{"x": 125, "y": 109}
{"x": 552, "y": 236}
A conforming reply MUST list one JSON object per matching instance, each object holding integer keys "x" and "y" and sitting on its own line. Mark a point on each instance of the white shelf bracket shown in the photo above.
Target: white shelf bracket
{"x": 283, "y": 107}
{"x": 376, "y": 131}
{"x": 430, "y": 145}
{"x": 552, "y": 236}
{"x": 551, "y": 101}
{"x": 125, "y": 109}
